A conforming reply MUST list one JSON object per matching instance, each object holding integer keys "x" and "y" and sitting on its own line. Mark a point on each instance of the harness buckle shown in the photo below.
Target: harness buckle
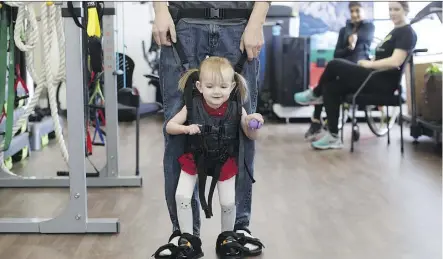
{"x": 214, "y": 13}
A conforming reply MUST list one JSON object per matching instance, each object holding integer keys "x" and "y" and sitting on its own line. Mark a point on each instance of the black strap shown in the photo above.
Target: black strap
{"x": 189, "y": 95}
{"x": 241, "y": 62}
{"x": 201, "y": 170}
{"x": 74, "y": 16}
{"x": 181, "y": 54}
{"x": 213, "y": 13}
{"x": 202, "y": 176}
{"x": 100, "y": 10}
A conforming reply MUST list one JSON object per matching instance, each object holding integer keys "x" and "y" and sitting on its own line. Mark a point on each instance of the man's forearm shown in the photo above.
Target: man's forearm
{"x": 259, "y": 12}
{"x": 160, "y": 6}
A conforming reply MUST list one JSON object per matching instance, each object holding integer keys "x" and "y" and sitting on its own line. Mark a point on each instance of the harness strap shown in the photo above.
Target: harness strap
{"x": 188, "y": 95}
{"x": 202, "y": 176}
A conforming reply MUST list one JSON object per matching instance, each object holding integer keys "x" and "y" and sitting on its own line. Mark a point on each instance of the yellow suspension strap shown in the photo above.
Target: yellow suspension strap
{"x": 94, "y": 13}
{"x": 93, "y": 30}
{"x": 96, "y": 101}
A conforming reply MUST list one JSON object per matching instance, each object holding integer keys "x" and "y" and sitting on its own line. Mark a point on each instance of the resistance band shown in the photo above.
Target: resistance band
{"x": 98, "y": 112}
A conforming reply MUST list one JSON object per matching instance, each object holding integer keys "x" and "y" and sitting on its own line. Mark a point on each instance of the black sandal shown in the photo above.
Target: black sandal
{"x": 168, "y": 246}
{"x": 228, "y": 247}
{"x": 189, "y": 247}
{"x": 243, "y": 240}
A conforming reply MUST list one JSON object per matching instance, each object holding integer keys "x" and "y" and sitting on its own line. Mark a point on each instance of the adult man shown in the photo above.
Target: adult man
{"x": 353, "y": 43}
{"x": 207, "y": 29}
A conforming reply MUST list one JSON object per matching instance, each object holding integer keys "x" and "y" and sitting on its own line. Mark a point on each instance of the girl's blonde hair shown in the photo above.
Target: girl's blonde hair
{"x": 220, "y": 68}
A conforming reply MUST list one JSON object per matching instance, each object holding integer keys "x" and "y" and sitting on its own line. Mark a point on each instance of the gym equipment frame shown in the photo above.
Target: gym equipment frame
{"x": 75, "y": 217}
{"x": 109, "y": 174}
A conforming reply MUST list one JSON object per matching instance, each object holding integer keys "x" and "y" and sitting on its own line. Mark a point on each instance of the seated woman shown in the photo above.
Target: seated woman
{"x": 353, "y": 43}
{"x": 342, "y": 77}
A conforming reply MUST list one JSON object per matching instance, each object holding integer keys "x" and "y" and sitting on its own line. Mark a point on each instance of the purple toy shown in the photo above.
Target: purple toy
{"x": 254, "y": 124}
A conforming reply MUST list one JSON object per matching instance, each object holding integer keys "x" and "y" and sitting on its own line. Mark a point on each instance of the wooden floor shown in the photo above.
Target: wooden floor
{"x": 371, "y": 204}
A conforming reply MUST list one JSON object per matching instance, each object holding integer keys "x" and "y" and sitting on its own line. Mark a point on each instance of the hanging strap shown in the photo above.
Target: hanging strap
{"x": 19, "y": 80}
{"x": 10, "y": 105}
{"x": 3, "y": 53}
{"x": 99, "y": 6}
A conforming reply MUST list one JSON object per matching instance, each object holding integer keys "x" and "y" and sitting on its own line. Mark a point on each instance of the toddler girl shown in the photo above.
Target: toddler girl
{"x": 213, "y": 118}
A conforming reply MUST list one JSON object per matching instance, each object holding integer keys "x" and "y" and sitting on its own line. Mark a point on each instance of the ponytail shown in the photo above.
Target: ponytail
{"x": 184, "y": 79}
{"x": 242, "y": 86}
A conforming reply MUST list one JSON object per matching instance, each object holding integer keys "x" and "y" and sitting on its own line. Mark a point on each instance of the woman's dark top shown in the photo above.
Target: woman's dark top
{"x": 403, "y": 38}
{"x": 365, "y": 34}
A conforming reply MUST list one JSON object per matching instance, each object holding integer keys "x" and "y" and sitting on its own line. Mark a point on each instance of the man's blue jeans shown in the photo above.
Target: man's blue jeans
{"x": 199, "y": 41}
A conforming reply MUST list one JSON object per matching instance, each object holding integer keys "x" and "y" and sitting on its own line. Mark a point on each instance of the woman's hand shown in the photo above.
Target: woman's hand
{"x": 365, "y": 63}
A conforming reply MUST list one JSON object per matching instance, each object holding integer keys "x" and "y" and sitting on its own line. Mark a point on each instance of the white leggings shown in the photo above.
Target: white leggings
{"x": 183, "y": 196}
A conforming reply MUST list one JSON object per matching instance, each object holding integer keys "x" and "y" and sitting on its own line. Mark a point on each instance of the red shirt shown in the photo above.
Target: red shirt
{"x": 187, "y": 162}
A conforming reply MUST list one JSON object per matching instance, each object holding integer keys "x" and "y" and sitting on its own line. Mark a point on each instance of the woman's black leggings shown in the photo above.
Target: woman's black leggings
{"x": 342, "y": 77}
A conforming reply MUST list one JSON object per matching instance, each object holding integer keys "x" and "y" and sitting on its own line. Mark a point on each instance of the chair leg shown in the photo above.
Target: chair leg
{"x": 387, "y": 117}
{"x": 400, "y": 120}
{"x": 342, "y": 121}
{"x": 353, "y": 124}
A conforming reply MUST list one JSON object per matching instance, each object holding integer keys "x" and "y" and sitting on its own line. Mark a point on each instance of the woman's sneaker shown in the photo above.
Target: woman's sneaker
{"x": 314, "y": 131}
{"x": 328, "y": 141}
{"x": 307, "y": 98}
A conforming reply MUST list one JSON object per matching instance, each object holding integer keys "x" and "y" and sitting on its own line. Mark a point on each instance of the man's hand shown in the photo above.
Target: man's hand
{"x": 163, "y": 28}
{"x": 352, "y": 39}
{"x": 252, "y": 40}
{"x": 191, "y": 129}
{"x": 365, "y": 63}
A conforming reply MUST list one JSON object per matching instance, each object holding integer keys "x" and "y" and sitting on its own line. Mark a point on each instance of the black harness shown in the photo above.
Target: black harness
{"x": 219, "y": 138}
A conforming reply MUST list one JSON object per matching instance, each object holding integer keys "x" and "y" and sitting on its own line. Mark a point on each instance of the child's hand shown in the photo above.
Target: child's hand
{"x": 192, "y": 129}
{"x": 255, "y": 116}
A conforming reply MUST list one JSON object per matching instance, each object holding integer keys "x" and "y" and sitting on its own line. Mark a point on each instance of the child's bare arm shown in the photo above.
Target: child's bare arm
{"x": 175, "y": 125}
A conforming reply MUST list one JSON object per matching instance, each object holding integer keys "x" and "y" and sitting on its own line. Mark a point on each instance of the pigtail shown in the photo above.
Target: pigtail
{"x": 184, "y": 79}
{"x": 242, "y": 86}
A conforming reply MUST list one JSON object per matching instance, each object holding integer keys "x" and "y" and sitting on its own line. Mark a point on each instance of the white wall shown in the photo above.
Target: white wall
{"x": 133, "y": 25}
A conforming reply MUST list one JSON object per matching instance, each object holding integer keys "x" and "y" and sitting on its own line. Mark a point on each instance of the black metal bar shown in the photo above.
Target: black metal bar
{"x": 137, "y": 140}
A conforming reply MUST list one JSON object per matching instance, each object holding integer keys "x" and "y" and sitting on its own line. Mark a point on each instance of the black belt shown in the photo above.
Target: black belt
{"x": 210, "y": 13}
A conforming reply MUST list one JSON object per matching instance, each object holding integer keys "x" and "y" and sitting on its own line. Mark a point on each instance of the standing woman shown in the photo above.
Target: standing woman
{"x": 342, "y": 77}
{"x": 353, "y": 44}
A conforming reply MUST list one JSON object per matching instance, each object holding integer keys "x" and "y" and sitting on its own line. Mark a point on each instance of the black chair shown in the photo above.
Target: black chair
{"x": 363, "y": 99}
{"x": 126, "y": 65}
